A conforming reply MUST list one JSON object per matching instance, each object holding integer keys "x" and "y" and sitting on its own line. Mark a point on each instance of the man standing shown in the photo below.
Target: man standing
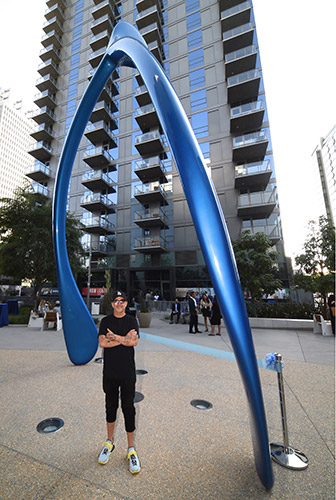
{"x": 193, "y": 312}
{"x": 175, "y": 311}
{"x": 118, "y": 334}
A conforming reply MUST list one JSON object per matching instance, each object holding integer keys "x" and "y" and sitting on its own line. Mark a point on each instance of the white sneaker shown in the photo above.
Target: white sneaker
{"x": 104, "y": 456}
{"x": 133, "y": 461}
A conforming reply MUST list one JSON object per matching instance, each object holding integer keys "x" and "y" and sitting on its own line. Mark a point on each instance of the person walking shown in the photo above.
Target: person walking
{"x": 206, "y": 306}
{"x": 215, "y": 317}
{"x": 118, "y": 335}
{"x": 193, "y": 312}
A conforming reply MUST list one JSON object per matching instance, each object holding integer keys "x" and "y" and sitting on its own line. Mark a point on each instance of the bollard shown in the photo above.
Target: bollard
{"x": 284, "y": 454}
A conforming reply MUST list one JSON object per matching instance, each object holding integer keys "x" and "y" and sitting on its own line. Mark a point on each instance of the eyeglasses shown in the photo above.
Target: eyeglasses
{"x": 119, "y": 301}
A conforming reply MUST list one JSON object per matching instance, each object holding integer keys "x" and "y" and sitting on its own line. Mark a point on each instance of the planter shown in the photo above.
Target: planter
{"x": 144, "y": 319}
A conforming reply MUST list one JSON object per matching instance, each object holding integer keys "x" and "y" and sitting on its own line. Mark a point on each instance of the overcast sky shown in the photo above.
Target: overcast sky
{"x": 297, "y": 47}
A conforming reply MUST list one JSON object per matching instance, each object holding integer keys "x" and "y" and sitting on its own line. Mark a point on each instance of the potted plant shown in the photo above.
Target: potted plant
{"x": 144, "y": 315}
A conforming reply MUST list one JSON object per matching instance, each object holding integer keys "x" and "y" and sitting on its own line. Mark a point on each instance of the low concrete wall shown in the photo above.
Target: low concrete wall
{"x": 282, "y": 323}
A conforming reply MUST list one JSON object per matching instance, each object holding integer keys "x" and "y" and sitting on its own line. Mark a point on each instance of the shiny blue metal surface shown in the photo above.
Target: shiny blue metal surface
{"x": 128, "y": 48}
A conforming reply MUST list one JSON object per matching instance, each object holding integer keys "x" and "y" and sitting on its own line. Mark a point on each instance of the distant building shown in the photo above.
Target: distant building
{"x": 125, "y": 186}
{"x": 325, "y": 158}
{"x": 15, "y": 141}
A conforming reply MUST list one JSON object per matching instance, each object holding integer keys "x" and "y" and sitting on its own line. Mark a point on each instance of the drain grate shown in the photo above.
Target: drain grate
{"x": 50, "y": 425}
{"x": 201, "y": 404}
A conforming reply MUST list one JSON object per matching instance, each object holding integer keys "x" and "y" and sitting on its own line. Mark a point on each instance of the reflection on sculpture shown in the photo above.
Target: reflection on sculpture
{"x": 127, "y": 48}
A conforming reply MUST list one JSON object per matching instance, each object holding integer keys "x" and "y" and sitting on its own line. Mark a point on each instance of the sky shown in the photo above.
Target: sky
{"x": 297, "y": 47}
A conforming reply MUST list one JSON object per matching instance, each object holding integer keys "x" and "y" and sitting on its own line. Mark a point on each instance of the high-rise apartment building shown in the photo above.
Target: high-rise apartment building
{"x": 15, "y": 140}
{"x": 125, "y": 186}
{"x": 325, "y": 159}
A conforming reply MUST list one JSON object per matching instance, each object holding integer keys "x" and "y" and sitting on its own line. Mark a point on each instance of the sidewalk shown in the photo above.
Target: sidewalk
{"x": 186, "y": 454}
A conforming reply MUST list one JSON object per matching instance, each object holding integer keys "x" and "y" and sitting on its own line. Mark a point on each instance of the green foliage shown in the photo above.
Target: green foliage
{"x": 26, "y": 247}
{"x": 289, "y": 310}
{"x": 256, "y": 262}
{"x": 22, "y": 318}
{"x": 317, "y": 263}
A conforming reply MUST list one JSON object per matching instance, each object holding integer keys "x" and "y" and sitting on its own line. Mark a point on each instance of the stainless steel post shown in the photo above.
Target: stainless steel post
{"x": 284, "y": 454}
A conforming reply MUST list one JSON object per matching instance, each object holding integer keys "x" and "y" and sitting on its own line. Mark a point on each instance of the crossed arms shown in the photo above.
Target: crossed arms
{"x": 112, "y": 339}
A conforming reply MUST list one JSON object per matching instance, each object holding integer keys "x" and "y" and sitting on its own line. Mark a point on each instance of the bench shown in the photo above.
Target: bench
{"x": 51, "y": 317}
{"x": 322, "y": 326}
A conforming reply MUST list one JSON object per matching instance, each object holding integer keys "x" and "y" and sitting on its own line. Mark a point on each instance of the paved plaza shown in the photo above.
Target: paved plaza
{"x": 186, "y": 453}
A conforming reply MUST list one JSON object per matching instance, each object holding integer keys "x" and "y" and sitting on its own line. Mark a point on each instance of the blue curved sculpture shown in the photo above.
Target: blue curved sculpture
{"x": 128, "y": 48}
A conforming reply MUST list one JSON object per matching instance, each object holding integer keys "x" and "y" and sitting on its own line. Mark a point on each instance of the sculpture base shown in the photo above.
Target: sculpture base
{"x": 288, "y": 457}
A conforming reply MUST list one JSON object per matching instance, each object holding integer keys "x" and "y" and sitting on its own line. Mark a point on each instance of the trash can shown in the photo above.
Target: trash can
{"x": 95, "y": 308}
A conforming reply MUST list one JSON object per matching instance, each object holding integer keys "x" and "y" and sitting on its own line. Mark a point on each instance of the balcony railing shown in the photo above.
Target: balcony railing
{"x": 40, "y": 145}
{"x": 149, "y": 136}
{"x": 40, "y": 167}
{"x": 99, "y": 222}
{"x": 235, "y": 9}
{"x": 150, "y": 244}
{"x": 96, "y": 198}
{"x": 150, "y": 163}
{"x": 243, "y": 77}
{"x": 253, "y": 168}
{"x": 92, "y": 175}
{"x": 238, "y": 30}
{"x": 247, "y": 139}
{"x": 238, "y": 54}
{"x": 151, "y": 217}
{"x": 259, "y": 198}
{"x": 37, "y": 188}
{"x": 247, "y": 108}
{"x": 272, "y": 231}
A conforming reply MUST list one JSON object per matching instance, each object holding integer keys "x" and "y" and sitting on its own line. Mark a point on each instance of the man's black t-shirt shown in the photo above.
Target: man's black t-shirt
{"x": 119, "y": 360}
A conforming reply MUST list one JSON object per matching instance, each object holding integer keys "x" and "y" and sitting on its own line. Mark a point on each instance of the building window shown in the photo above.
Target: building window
{"x": 77, "y": 31}
{"x": 73, "y": 75}
{"x": 199, "y": 123}
{"x": 196, "y": 79}
{"x": 78, "y": 18}
{"x": 193, "y": 21}
{"x": 194, "y": 39}
{"x": 74, "y": 61}
{"x": 72, "y": 90}
{"x": 71, "y": 107}
{"x": 195, "y": 58}
{"x": 79, "y": 5}
{"x": 76, "y": 45}
{"x": 198, "y": 100}
{"x": 192, "y": 5}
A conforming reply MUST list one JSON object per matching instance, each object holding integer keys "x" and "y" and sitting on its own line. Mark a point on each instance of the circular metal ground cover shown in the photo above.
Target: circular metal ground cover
{"x": 50, "y": 425}
{"x": 138, "y": 397}
{"x": 141, "y": 372}
{"x": 201, "y": 404}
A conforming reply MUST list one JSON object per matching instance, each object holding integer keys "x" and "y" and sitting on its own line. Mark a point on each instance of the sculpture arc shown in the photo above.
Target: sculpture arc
{"x": 128, "y": 48}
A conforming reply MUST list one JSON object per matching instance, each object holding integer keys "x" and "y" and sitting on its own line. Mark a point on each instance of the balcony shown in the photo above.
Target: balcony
{"x": 55, "y": 11}
{"x": 99, "y": 248}
{"x": 104, "y": 111}
{"x": 52, "y": 38}
{"x": 156, "y": 244}
{"x": 253, "y": 174}
{"x": 249, "y": 147}
{"x": 44, "y": 115}
{"x": 104, "y": 8}
{"x": 151, "y": 169}
{"x": 148, "y": 17}
{"x": 149, "y": 144}
{"x": 247, "y": 117}
{"x": 142, "y": 96}
{"x": 100, "y": 132}
{"x": 260, "y": 204}
{"x": 37, "y": 188}
{"x": 50, "y": 52}
{"x": 61, "y": 3}
{"x": 97, "y": 225}
{"x": 101, "y": 24}
{"x": 151, "y": 33}
{"x": 43, "y": 133}
{"x": 156, "y": 50}
{"x": 96, "y": 202}
{"x": 149, "y": 218}
{"x": 243, "y": 86}
{"x": 97, "y": 180}
{"x": 53, "y": 24}
{"x": 96, "y": 57}
{"x": 149, "y": 193}
{"x": 49, "y": 67}
{"x": 241, "y": 60}
{"x": 42, "y": 151}
{"x": 238, "y": 37}
{"x": 98, "y": 158}
{"x": 100, "y": 40}
{"x": 146, "y": 117}
{"x": 40, "y": 172}
{"x": 47, "y": 83}
{"x": 144, "y": 4}
{"x": 236, "y": 16}
{"x": 272, "y": 232}
{"x": 45, "y": 98}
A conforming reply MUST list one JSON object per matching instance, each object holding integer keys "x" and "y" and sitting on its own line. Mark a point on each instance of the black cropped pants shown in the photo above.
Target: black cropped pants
{"x": 127, "y": 393}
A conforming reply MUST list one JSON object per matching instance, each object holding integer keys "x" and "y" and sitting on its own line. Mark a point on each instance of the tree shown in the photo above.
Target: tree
{"x": 256, "y": 262}
{"x": 26, "y": 247}
{"x": 317, "y": 263}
